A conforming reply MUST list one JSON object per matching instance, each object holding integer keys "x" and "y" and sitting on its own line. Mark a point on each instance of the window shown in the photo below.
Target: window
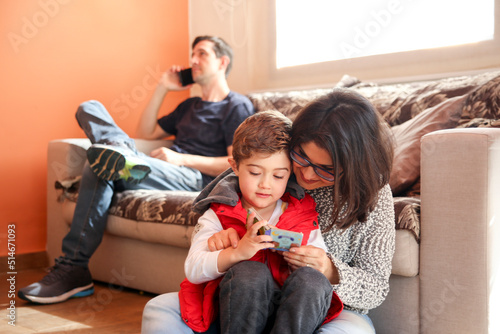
{"x": 317, "y": 31}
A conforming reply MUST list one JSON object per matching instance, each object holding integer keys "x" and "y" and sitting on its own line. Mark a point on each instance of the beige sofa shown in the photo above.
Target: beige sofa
{"x": 447, "y": 198}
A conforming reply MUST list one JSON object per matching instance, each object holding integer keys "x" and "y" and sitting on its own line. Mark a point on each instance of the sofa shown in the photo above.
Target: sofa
{"x": 446, "y": 186}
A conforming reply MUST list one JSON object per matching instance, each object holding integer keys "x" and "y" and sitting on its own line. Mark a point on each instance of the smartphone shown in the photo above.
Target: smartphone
{"x": 186, "y": 77}
{"x": 282, "y": 239}
{"x": 257, "y": 219}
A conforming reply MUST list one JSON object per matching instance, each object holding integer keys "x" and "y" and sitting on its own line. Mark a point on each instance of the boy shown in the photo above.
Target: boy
{"x": 261, "y": 163}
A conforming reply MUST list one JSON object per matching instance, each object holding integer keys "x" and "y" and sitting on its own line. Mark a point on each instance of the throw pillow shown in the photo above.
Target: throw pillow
{"x": 484, "y": 102}
{"x": 406, "y": 165}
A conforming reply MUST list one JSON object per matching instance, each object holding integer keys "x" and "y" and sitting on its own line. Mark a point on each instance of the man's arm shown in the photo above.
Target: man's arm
{"x": 212, "y": 166}
{"x": 148, "y": 127}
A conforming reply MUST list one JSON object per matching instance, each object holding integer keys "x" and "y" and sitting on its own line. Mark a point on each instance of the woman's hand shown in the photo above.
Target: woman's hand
{"x": 314, "y": 257}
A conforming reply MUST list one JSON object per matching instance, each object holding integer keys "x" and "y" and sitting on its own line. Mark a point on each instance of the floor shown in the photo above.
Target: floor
{"x": 110, "y": 309}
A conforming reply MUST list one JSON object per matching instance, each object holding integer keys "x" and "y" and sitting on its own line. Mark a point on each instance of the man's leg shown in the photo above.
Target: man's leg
{"x": 113, "y": 154}
{"x": 100, "y": 127}
{"x": 70, "y": 276}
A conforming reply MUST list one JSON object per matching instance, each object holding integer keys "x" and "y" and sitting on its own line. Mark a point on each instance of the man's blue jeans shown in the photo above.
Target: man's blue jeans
{"x": 95, "y": 195}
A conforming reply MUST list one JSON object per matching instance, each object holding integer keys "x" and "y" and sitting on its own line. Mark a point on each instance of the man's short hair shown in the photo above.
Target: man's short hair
{"x": 221, "y": 48}
{"x": 265, "y": 132}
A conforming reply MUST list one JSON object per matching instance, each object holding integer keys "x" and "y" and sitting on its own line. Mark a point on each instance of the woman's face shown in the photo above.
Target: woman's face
{"x": 306, "y": 176}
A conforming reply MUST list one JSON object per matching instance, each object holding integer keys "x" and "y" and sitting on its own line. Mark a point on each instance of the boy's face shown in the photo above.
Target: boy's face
{"x": 263, "y": 179}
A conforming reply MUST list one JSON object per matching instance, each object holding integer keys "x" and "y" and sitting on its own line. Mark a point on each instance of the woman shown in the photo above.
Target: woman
{"x": 342, "y": 156}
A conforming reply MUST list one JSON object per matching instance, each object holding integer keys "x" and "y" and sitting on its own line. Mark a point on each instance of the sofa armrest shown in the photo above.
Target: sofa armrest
{"x": 460, "y": 236}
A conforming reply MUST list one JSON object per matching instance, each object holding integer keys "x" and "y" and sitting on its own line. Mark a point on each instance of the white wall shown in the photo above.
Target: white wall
{"x": 248, "y": 26}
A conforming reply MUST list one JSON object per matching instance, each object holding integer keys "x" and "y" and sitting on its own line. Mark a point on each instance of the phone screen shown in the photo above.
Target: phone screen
{"x": 186, "y": 77}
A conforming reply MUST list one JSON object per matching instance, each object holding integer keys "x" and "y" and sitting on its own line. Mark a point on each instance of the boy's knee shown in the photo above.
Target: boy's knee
{"x": 249, "y": 268}
{"x": 309, "y": 278}
{"x": 252, "y": 272}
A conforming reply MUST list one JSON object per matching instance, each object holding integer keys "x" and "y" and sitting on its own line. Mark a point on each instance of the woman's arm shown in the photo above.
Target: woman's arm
{"x": 364, "y": 281}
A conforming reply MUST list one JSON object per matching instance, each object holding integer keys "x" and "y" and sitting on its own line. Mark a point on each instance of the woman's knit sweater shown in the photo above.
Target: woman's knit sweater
{"x": 362, "y": 253}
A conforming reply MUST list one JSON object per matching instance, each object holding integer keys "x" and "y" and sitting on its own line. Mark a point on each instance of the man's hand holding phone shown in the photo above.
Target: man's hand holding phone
{"x": 171, "y": 79}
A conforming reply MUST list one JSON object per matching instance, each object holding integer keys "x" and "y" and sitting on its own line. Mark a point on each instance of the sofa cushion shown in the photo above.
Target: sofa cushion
{"x": 166, "y": 234}
{"x": 483, "y": 103}
{"x": 481, "y": 123}
{"x": 406, "y": 165}
{"x": 158, "y": 206}
{"x": 289, "y": 103}
{"x": 400, "y": 102}
{"x": 406, "y": 256}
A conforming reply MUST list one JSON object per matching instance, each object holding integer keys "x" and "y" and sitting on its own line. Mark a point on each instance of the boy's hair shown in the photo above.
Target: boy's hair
{"x": 221, "y": 48}
{"x": 265, "y": 132}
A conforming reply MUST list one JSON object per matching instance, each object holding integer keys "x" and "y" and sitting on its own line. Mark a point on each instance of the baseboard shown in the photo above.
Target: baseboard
{"x": 24, "y": 261}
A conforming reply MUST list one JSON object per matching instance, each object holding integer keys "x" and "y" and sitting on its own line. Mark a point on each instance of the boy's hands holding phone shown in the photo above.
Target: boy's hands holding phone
{"x": 252, "y": 241}
{"x": 247, "y": 247}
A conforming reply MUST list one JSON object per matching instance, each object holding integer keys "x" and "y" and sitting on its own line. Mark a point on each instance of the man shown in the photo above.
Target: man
{"x": 204, "y": 128}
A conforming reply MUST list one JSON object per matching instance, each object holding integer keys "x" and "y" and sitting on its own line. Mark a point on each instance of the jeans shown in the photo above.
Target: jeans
{"x": 162, "y": 315}
{"x": 95, "y": 195}
{"x": 251, "y": 301}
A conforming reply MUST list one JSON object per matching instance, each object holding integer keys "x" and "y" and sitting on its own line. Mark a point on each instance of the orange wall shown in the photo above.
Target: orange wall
{"x": 55, "y": 54}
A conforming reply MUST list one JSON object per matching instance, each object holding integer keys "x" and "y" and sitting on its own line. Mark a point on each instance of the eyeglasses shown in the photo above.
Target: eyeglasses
{"x": 321, "y": 172}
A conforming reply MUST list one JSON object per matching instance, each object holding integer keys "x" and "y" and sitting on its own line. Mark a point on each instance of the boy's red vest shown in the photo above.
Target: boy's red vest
{"x": 198, "y": 302}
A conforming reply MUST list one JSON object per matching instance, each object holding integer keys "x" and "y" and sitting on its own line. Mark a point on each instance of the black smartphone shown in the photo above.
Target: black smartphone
{"x": 186, "y": 77}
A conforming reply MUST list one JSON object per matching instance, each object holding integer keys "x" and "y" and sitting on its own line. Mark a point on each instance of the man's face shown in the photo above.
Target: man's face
{"x": 204, "y": 62}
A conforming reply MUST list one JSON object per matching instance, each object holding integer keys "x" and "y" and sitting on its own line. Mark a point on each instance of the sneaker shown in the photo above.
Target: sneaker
{"x": 63, "y": 282}
{"x": 112, "y": 163}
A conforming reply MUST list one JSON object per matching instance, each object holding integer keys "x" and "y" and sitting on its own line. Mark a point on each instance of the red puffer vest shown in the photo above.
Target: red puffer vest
{"x": 199, "y": 302}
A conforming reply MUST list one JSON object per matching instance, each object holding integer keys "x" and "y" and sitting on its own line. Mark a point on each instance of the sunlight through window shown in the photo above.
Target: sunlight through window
{"x": 323, "y": 30}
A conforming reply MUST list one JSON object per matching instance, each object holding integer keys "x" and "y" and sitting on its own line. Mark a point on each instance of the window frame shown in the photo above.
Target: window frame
{"x": 423, "y": 64}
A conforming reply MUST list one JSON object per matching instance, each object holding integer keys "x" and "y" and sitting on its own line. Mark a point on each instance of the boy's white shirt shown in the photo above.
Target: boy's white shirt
{"x": 201, "y": 263}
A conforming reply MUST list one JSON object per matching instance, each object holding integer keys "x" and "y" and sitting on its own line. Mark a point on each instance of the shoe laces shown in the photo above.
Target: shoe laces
{"x": 57, "y": 272}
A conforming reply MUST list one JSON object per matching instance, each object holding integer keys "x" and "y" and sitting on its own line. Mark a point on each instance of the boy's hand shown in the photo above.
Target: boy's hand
{"x": 223, "y": 239}
{"x": 227, "y": 238}
{"x": 252, "y": 242}
{"x": 247, "y": 247}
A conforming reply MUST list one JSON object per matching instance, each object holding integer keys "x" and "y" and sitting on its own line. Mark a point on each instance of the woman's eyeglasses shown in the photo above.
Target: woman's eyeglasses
{"x": 320, "y": 171}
